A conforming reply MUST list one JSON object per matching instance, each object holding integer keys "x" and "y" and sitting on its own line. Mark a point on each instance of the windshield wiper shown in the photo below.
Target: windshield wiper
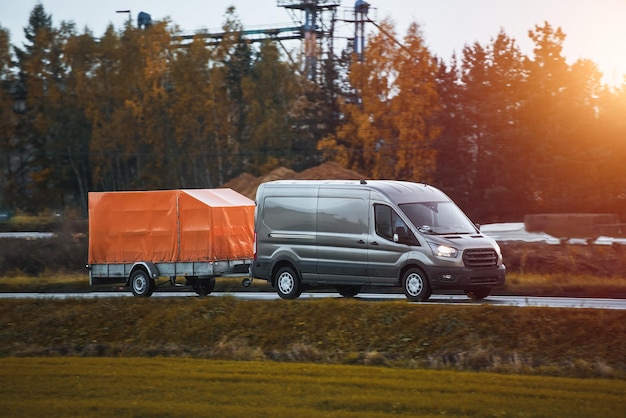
{"x": 425, "y": 229}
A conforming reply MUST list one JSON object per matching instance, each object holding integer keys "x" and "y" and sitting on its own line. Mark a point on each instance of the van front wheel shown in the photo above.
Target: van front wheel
{"x": 288, "y": 284}
{"x": 416, "y": 286}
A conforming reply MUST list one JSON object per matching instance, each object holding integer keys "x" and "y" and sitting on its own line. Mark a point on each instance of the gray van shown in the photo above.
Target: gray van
{"x": 349, "y": 234}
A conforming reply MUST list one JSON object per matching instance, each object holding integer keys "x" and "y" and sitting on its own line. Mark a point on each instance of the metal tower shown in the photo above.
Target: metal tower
{"x": 314, "y": 22}
{"x": 317, "y": 27}
{"x": 361, "y": 8}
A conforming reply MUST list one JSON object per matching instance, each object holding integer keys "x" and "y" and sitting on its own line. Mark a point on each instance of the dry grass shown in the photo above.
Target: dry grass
{"x": 559, "y": 342}
{"x": 564, "y": 284}
{"x": 565, "y": 270}
{"x": 567, "y": 259}
{"x": 51, "y": 282}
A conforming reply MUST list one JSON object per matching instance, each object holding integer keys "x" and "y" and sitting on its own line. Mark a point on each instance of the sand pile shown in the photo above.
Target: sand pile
{"x": 246, "y": 184}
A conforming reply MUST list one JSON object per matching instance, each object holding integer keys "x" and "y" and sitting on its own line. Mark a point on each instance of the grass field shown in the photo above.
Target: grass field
{"x": 546, "y": 341}
{"x": 225, "y": 357}
{"x": 160, "y": 387}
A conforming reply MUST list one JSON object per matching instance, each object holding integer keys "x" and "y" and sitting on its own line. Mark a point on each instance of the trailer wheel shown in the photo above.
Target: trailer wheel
{"x": 478, "y": 294}
{"x": 203, "y": 286}
{"x": 141, "y": 284}
{"x": 288, "y": 285}
{"x": 348, "y": 291}
{"x": 415, "y": 285}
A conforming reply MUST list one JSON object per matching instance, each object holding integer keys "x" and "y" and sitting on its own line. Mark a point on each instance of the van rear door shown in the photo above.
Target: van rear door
{"x": 285, "y": 229}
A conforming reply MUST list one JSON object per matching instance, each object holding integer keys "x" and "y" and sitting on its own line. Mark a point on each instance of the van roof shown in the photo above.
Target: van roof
{"x": 396, "y": 190}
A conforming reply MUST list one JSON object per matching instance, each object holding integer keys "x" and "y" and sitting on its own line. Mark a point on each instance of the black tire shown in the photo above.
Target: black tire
{"x": 288, "y": 285}
{"x": 141, "y": 284}
{"x": 478, "y": 294}
{"x": 415, "y": 285}
{"x": 348, "y": 291}
{"x": 203, "y": 287}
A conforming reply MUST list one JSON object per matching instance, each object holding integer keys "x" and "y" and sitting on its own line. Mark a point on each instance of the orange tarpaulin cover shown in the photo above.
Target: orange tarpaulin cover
{"x": 170, "y": 226}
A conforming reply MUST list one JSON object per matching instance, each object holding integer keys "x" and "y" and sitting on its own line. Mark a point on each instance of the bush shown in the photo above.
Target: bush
{"x": 540, "y": 258}
{"x": 60, "y": 253}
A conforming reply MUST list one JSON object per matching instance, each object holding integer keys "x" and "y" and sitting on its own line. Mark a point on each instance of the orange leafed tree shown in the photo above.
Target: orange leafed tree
{"x": 389, "y": 125}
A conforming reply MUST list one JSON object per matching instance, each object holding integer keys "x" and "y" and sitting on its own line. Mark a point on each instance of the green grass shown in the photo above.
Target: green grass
{"x": 141, "y": 387}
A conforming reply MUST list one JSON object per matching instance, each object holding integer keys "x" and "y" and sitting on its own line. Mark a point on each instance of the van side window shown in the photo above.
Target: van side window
{"x": 383, "y": 221}
{"x": 342, "y": 215}
{"x": 290, "y": 213}
{"x": 389, "y": 223}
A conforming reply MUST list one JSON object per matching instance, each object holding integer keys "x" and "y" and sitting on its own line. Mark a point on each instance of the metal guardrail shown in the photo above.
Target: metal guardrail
{"x": 516, "y": 231}
{"x": 26, "y": 235}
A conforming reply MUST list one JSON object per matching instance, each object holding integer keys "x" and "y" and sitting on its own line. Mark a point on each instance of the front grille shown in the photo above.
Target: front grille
{"x": 484, "y": 280}
{"x": 480, "y": 258}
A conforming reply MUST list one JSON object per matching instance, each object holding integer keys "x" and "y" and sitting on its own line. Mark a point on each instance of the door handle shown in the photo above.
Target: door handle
{"x": 360, "y": 241}
{"x": 374, "y": 243}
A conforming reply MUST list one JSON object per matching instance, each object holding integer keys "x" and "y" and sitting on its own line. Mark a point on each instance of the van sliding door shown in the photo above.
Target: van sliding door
{"x": 342, "y": 229}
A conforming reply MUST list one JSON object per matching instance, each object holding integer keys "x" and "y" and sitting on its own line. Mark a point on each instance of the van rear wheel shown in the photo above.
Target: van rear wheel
{"x": 415, "y": 285}
{"x": 288, "y": 285}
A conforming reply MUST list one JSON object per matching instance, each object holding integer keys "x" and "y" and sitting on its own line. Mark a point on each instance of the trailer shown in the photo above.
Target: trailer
{"x": 146, "y": 239}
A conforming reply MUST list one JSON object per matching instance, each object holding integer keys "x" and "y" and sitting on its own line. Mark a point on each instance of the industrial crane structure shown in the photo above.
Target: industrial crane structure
{"x": 314, "y": 25}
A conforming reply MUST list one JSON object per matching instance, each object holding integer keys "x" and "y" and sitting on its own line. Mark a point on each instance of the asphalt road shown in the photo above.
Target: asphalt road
{"x": 552, "y": 302}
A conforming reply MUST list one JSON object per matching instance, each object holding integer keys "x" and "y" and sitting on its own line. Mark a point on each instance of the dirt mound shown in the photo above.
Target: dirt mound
{"x": 240, "y": 183}
{"x": 328, "y": 171}
{"x": 246, "y": 184}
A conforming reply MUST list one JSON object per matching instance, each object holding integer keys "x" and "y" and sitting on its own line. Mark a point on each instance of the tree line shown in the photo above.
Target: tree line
{"x": 503, "y": 133}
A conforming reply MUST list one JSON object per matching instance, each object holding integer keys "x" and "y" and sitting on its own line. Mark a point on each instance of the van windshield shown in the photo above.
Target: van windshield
{"x": 438, "y": 218}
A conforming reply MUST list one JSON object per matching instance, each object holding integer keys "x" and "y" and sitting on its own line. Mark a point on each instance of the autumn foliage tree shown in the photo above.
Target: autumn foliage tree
{"x": 560, "y": 113}
{"x": 389, "y": 123}
{"x": 523, "y": 134}
{"x": 136, "y": 109}
{"x": 10, "y": 160}
{"x": 481, "y": 133}
{"x": 503, "y": 133}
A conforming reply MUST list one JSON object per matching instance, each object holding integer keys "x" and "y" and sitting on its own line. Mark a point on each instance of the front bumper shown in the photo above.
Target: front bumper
{"x": 462, "y": 278}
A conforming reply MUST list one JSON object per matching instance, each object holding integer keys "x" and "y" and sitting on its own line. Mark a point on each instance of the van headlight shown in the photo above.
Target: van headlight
{"x": 441, "y": 250}
{"x": 499, "y": 251}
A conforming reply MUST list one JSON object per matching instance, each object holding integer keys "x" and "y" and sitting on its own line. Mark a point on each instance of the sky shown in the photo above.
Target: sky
{"x": 595, "y": 29}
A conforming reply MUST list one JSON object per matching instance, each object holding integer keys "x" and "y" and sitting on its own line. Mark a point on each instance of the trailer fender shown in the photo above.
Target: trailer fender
{"x": 149, "y": 267}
